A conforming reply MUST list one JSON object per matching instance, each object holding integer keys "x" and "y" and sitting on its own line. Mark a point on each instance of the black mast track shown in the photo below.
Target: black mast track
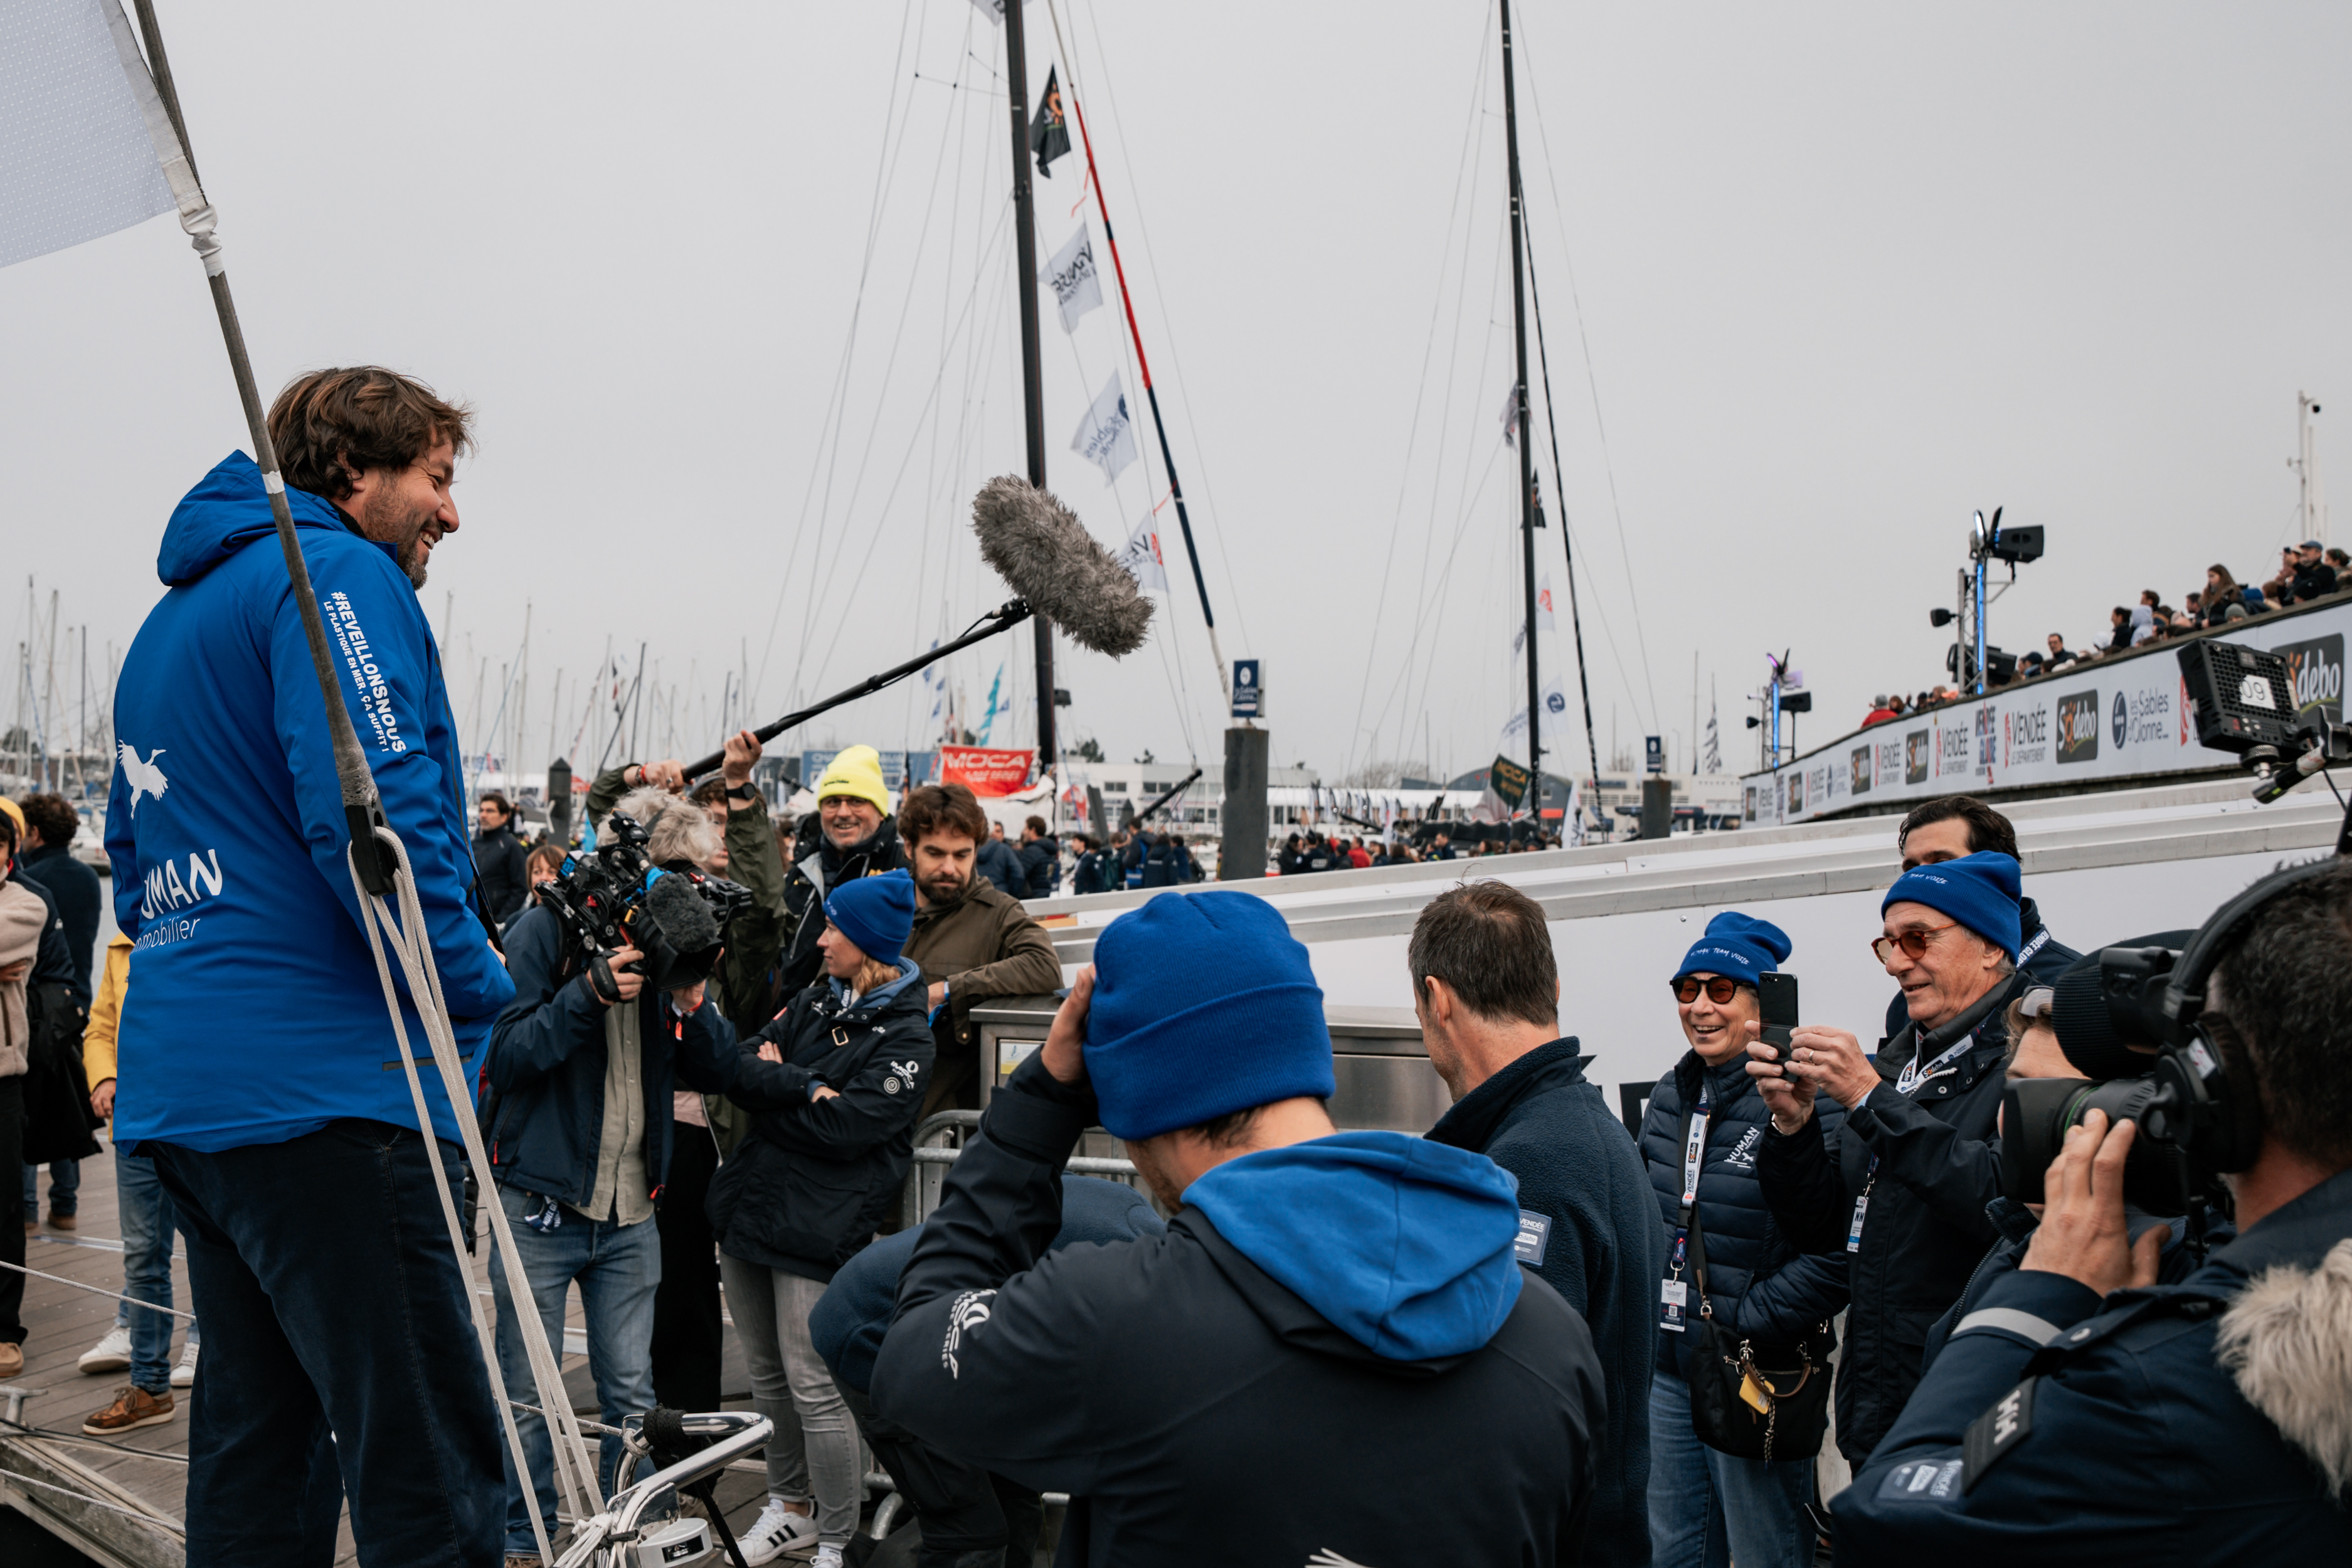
{"x": 1033, "y": 384}
{"x": 1527, "y": 464}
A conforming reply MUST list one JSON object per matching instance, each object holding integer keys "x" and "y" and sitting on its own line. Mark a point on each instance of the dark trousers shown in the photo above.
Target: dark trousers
{"x": 340, "y": 1355}
{"x": 687, "y": 1331}
{"x": 971, "y": 1518}
{"x": 12, "y": 1240}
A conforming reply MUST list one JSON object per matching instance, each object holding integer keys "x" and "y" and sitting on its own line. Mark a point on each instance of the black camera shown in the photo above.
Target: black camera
{"x": 613, "y": 897}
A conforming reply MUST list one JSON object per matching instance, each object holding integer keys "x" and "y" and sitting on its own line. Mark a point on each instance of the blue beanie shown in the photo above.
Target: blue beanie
{"x": 1740, "y": 946}
{"x": 1203, "y": 1005}
{"x": 875, "y": 912}
{"x": 1978, "y": 890}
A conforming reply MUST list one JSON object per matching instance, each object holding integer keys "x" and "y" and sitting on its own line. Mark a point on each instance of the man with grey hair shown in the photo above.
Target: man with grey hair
{"x": 1487, "y": 990}
{"x": 580, "y": 1083}
{"x": 1903, "y": 1183}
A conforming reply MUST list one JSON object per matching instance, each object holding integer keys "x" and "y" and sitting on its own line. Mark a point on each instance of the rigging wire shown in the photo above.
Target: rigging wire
{"x": 1608, "y": 465}
{"x": 1420, "y": 393}
{"x": 848, "y": 348}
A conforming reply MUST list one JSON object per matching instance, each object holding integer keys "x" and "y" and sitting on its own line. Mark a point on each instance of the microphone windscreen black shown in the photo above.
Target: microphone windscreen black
{"x": 1046, "y": 555}
{"x": 687, "y": 922}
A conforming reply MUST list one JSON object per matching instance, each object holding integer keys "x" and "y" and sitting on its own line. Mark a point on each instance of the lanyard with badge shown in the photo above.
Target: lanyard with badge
{"x": 1674, "y": 1291}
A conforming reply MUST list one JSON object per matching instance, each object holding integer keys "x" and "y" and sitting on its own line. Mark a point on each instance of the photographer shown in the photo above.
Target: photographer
{"x": 583, "y": 1064}
{"x": 2074, "y": 1039}
{"x": 1329, "y": 1318}
{"x": 1699, "y": 1139}
{"x": 2084, "y": 1414}
{"x": 972, "y": 942}
{"x": 1903, "y": 1184}
{"x": 804, "y": 1191}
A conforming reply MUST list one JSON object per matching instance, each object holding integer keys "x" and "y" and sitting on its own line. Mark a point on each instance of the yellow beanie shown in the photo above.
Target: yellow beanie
{"x": 15, "y": 814}
{"x": 856, "y": 771}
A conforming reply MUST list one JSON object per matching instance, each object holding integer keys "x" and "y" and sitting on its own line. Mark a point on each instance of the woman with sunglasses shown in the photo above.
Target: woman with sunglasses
{"x": 1706, "y": 1122}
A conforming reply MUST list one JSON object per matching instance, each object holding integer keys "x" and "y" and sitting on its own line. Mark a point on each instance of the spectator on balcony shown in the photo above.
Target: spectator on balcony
{"x": 1881, "y": 711}
{"x": 2225, "y": 600}
{"x": 2314, "y": 577}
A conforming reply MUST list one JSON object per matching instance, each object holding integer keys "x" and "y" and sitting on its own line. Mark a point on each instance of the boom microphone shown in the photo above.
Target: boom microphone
{"x": 1046, "y": 555}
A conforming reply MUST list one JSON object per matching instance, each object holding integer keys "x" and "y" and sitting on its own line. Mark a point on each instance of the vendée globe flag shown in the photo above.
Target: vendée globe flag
{"x": 84, "y": 146}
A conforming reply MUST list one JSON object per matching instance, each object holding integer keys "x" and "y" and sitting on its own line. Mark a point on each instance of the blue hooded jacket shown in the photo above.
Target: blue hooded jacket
{"x": 1403, "y": 1244}
{"x": 258, "y": 1016}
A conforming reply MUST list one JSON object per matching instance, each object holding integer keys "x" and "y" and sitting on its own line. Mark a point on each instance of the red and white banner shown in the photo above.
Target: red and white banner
{"x": 984, "y": 772}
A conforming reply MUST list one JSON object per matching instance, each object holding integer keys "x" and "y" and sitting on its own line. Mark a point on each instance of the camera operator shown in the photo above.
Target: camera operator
{"x": 2084, "y": 1414}
{"x": 1948, "y": 827}
{"x": 973, "y": 940}
{"x": 1328, "y": 1320}
{"x": 1903, "y": 1186}
{"x": 2072, "y": 1039}
{"x": 583, "y": 1065}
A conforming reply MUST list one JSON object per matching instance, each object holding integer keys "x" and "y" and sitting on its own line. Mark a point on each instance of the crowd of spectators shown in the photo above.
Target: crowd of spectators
{"x": 2306, "y": 572}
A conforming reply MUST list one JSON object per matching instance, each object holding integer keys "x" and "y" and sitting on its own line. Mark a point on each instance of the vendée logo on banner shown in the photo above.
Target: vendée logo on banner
{"x": 2025, "y": 736}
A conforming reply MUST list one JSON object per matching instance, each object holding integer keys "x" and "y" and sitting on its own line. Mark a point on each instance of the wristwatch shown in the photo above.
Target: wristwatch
{"x": 743, "y": 792}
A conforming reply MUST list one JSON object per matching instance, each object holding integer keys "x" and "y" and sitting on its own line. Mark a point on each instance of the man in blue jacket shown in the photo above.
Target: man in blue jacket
{"x": 2084, "y": 1413}
{"x": 260, "y": 1068}
{"x": 1486, "y": 989}
{"x": 1329, "y": 1357}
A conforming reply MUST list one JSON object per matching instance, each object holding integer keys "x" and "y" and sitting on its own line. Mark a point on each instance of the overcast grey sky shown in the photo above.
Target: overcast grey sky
{"x": 1845, "y": 273}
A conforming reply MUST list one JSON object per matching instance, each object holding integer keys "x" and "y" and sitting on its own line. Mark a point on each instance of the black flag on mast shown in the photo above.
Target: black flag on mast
{"x": 1049, "y": 133}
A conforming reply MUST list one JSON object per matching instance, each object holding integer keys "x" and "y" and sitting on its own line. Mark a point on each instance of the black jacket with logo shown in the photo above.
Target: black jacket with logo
{"x": 810, "y": 1184}
{"x": 1938, "y": 1165}
{"x": 1759, "y": 1283}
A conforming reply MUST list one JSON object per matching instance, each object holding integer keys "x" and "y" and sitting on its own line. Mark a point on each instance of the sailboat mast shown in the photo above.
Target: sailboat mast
{"x": 1033, "y": 384}
{"x": 1527, "y": 456}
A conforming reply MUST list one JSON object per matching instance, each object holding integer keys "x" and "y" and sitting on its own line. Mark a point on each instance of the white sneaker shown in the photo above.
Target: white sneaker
{"x": 777, "y": 1530}
{"x": 111, "y": 1354}
{"x": 184, "y": 1375}
{"x": 826, "y": 1557}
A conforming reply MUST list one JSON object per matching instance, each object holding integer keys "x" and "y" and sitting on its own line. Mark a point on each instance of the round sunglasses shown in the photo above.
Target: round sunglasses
{"x": 1719, "y": 990}
{"x": 1913, "y": 942}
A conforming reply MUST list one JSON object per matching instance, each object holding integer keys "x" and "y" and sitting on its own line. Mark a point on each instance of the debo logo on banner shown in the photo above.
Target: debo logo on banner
{"x": 2314, "y": 673}
{"x": 2078, "y": 726}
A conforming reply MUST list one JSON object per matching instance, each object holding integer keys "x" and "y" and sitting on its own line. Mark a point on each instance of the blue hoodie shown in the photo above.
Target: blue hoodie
{"x": 258, "y": 1016}
{"x": 1405, "y": 1246}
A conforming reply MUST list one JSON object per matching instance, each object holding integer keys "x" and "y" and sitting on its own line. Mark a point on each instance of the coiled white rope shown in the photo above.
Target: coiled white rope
{"x": 575, "y": 1469}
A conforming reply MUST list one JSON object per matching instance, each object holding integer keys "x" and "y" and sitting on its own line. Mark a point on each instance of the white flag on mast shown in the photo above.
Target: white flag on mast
{"x": 1106, "y": 436}
{"x": 1556, "y": 732}
{"x": 1142, "y": 558}
{"x": 1071, "y": 275}
{"x": 84, "y": 146}
{"x": 1544, "y": 621}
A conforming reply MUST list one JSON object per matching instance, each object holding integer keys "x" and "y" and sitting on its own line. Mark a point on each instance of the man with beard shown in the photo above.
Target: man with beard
{"x": 850, "y": 834}
{"x": 340, "y": 1352}
{"x": 973, "y": 940}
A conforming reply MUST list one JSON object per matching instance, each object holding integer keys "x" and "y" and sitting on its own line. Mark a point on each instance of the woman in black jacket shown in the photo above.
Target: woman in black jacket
{"x": 805, "y": 1189}
{"x": 1708, "y": 1508}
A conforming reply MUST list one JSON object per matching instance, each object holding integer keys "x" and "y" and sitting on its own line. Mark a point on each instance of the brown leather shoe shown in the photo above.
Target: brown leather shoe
{"x": 12, "y": 1361}
{"x": 134, "y": 1407}
{"x": 63, "y": 1221}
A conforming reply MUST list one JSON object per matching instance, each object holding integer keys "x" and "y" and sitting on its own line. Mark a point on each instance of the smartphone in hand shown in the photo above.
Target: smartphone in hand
{"x": 1776, "y": 997}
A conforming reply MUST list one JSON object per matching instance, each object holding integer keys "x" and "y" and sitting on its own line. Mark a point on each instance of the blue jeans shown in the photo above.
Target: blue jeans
{"x": 147, "y": 1220}
{"x": 339, "y": 1354}
{"x": 1708, "y": 1509}
{"x": 619, "y": 1270}
{"x": 65, "y": 1188}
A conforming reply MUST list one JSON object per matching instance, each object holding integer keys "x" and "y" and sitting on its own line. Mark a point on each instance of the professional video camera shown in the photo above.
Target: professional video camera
{"x": 613, "y": 896}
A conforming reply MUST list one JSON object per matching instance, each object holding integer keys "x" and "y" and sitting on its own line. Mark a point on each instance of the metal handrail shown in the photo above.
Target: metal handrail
{"x": 959, "y": 1124}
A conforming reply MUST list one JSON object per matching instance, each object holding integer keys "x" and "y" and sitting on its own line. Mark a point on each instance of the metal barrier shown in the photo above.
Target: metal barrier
{"x": 941, "y": 1139}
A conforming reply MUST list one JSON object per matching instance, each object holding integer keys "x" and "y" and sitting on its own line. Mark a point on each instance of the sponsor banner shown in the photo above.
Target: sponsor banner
{"x": 987, "y": 773}
{"x": 2117, "y": 719}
